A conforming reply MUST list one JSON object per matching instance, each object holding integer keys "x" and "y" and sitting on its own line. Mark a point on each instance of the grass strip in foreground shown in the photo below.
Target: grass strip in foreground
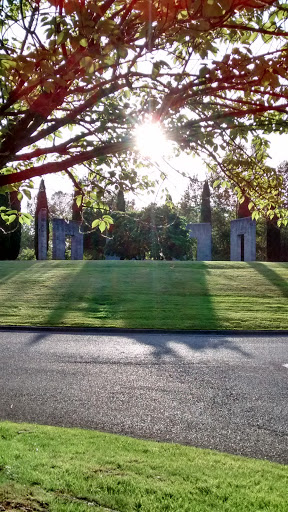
{"x": 59, "y": 469}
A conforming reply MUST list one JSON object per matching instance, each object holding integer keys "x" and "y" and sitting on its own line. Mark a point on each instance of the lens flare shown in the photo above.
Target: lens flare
{"x": 151, "y": 141}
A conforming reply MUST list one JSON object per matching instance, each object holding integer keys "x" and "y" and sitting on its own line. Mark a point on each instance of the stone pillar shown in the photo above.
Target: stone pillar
{"x": 203, "y": 233}
{"x": 244, "y": 228}
{"x": 76, "y": 242}
{"x": 58, "y": 252}
{"x": 42, "y": 234}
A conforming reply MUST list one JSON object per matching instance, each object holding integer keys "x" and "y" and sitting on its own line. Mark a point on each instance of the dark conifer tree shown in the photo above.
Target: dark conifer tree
{"x": 120, "y": 201}
{"x": 42, "y": 204}
{"x": 205, "y": 212}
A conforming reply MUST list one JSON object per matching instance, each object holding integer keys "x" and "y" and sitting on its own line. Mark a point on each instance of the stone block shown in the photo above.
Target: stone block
{"x": 59, "y": 233}
{"x": 243, "y": 239}
{"x": 61, "y": 229}
{"x": 203, "y": 233}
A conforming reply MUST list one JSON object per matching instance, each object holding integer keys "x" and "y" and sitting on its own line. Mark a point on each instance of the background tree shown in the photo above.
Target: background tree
{"x": 277, "y": 243}
{"x": 126, "y": 237}
{"x": 78, "y": 65}
{"x": 165, "y": 234}
{"x": 190, "y": 203}
{"x": 94, "y": 241}
{"x": 60, "y": 205}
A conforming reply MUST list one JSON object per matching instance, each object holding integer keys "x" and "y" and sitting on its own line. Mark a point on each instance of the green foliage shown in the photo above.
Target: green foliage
{"x": 27, "y": 254}
{"x": 215, "y": 77}
{"x": 15, "y": 226}
{"x": 4, "y": 236}
{"x": 126, "y": 237}
{"x": 157, "y": 232}
{"x": 10, "y": 227}
{"x": 190, "y": 203}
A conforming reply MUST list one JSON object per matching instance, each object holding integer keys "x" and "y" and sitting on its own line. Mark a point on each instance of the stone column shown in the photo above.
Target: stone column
{"x": 203, "y": 234}
{"x": 58, "y": 252}
{"x": 42, "y": 234}
{"x": 243, "y": 227}
{"x": 77, "y": 247}
{"x": 76, "y": 240}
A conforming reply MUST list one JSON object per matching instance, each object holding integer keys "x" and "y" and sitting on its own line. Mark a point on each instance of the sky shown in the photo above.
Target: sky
{"x": 175, "y": 183}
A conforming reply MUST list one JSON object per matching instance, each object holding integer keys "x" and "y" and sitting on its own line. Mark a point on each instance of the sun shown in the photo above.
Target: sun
{"x": 151, "y": 141}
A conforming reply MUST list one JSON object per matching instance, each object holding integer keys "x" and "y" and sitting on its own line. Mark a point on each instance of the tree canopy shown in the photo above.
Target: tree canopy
{"x": 77, "y": 76}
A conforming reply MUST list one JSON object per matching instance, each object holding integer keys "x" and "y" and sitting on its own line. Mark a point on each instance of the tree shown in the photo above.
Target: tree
{"x": 80, "y": 66}
{"x": 10, "y": 235}
{"x": 243, "y": 208}
{"x": 190, "y": 202}
{"x": 276, "y": 240}
{"x": 126, "y": 237}
{"x": 120, "y": 201}
{"x": 94, "y": 242}
{"x": 60, "y": 205}
{"x": 15, "y": 234}
{"x": 205, "y": 213}
{"x": 77, "y": 208}
{"x": 164, "y": 233}
{"x": 4, "y": 230}
{"x": 42, "y": 204}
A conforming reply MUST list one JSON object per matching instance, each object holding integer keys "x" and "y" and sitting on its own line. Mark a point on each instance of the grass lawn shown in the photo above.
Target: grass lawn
{"x": 143, "y": 294}
{"x": 57, "y": 469}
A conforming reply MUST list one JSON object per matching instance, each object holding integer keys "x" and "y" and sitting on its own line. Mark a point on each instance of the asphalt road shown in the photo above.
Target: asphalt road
{"x": 224, "y": 392}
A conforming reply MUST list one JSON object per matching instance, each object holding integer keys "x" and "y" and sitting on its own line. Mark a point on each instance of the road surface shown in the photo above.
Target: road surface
{"x": 225, "y": 392}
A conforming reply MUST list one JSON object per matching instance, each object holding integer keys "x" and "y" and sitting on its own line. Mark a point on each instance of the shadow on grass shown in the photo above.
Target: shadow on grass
{"x": 10, "y": 269}
{"x": 273, "y": 277}
{"x": 66, "y": 302}
{"x": 104, "y": 299}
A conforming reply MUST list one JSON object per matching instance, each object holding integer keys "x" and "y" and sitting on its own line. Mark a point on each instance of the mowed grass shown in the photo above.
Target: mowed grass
{"x": 144, "y": 294}
{"x": 58, "y": 469}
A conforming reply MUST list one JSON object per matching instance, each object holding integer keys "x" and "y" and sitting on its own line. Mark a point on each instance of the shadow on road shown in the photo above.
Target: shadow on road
{"x": 161, "y": 345}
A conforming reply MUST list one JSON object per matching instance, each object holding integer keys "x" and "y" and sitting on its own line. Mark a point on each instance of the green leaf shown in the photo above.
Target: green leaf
{"x": 83, "y": 42}
{"x": 61, "y": 36}
{"x": 95, "y": 223}
{"x": 102, "y": 226}
{"x": 11, "y": 218}
{"x": 27, "y": 193}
